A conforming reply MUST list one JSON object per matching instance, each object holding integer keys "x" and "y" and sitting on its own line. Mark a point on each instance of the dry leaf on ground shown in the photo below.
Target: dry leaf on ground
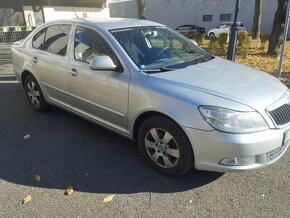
{"x": 108, "y": 198}
{"x": 69, "y": 190}
{"x": 27, "y": 136}
{"x": 37, "y": 178}
{"x": 26, "y": 199}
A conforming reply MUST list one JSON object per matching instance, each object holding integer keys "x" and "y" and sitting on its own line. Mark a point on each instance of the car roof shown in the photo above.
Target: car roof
{"x": 110, "y": 23}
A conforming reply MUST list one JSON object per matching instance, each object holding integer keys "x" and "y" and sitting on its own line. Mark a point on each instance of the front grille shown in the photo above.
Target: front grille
{"x": 281, "y": 115}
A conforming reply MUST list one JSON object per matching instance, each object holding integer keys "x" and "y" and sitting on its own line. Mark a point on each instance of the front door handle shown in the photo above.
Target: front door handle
{"x": 73, "y": 72}
{"x": 35, "y": 60}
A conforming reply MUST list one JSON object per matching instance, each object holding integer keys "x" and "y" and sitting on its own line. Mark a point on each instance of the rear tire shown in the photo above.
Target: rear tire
{"x": 34, "y": 94}
{"x": 165, "y": 146}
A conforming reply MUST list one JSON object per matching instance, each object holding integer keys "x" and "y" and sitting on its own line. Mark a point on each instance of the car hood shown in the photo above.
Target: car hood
{"x": 228, "y": 80}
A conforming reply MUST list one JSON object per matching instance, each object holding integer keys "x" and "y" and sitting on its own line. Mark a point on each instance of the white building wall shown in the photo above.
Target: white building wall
{"x": 124, "y": 9}
{"x": 55, "y": 13}
{"x": 171, "y": 13}
{"x": 177, "y": 12}
{"x": 269, "y": 9}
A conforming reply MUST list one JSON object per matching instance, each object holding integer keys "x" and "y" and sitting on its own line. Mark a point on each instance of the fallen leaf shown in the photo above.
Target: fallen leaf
{"x": 37, "y": 178}
{"x": 69, "y": 190}
{"x": 108, "y": 198}
{"x": 150, "y": 198}
{"x": 27, "y": 136}
{"x": 26, "y": 199}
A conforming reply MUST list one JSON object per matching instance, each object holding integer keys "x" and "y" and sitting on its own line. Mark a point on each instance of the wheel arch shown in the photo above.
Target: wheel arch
{"x": 189, "y": 155}
{"x": 24, "y": 74}
{"x": 145, "y": 115}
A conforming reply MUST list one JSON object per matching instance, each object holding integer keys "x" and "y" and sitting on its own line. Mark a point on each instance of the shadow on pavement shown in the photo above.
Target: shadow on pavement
{"x": 66, "y": 150}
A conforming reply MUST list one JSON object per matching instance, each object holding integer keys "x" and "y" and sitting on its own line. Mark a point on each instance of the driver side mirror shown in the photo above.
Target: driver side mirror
{"x": 103, "y": 62}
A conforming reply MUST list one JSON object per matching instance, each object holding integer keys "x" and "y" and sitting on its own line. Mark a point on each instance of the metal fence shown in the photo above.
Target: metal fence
{"x": 13, "y": 34}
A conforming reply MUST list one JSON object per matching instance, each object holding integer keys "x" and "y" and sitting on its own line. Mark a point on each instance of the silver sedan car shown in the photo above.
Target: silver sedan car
{"x": 184, "y": 107}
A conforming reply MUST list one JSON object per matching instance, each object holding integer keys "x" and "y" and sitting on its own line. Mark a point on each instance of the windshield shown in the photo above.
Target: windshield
{"x": 157, "y": 48}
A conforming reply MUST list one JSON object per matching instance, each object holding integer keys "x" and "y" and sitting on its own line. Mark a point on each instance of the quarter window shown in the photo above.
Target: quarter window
{"x": 38, "y": 39}
{"x": 56, "y": 39}
{"x": 89, "y": 44}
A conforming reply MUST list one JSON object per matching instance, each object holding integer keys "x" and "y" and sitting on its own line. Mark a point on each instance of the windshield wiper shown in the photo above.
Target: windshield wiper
{"x": 160, "y": 69}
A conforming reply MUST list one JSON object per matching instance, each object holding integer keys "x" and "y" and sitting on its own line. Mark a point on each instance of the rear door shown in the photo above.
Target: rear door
{"x": 99, "y": 95}
{"x": 49, "y": 48}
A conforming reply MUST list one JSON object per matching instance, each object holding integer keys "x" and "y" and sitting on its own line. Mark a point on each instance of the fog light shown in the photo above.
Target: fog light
{"x": 239, "y": 161}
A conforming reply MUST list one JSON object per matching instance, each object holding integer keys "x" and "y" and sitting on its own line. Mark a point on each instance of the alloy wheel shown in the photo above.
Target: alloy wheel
{"x": 162, "y": 148}
{"x": 33, "y": 94}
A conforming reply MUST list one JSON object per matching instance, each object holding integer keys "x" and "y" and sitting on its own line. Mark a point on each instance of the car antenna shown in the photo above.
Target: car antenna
{"x": 75, "y": 12}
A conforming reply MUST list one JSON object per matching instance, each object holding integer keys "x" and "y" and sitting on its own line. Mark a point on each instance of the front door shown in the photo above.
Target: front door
{"x": 99, "y": 95}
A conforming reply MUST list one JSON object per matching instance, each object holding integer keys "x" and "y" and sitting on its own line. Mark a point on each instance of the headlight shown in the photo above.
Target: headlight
{"x": 231, "y": 121}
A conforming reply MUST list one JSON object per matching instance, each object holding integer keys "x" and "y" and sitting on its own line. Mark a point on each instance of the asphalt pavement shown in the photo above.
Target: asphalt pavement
{"x": 67, "y": 150}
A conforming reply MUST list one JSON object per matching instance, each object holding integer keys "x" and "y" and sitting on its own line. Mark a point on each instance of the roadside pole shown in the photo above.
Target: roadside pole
{"x": 286, "y": 27}
{"x": 234, "y": 35}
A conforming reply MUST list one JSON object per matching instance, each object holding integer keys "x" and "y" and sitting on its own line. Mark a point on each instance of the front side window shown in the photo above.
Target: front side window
{"x": 187, "y": 27}
{"x": 56, "y": 39}
{"x": 88, "y": 44}
{"x": 222, "y": 26}
{"x": 154, "y": 48}
{"x": 38, "y": 39}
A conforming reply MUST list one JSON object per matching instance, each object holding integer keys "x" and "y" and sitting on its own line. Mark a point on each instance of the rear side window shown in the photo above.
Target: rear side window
{"x": 38, "y": 39}
{"x": 56, "y": 39}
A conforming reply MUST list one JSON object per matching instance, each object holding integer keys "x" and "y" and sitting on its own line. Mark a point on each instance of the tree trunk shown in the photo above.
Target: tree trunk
{"x": 256, "y": 31}
{"x": 140, "y": 6}
{"x": 278, "y": 27}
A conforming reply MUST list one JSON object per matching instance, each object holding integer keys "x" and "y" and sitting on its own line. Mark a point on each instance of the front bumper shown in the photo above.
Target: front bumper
{"x": 211, "y": 147}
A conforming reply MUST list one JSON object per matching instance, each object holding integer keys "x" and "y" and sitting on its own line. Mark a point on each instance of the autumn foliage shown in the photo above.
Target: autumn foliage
{"x": 255, "y": 56}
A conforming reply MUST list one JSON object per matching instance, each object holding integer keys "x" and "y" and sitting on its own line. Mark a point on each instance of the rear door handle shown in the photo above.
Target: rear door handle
{"x": 35, "y": 60}
{"x": 73, "y": 72}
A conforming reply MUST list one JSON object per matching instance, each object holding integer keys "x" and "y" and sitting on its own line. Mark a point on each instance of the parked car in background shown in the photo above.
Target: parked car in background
{"x": 183, "y": 106}
{"x": 189, "y": 30}
{"x": 224, "y": 28}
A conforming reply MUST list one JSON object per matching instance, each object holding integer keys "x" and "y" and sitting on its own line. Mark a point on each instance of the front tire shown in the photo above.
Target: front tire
{"x": 34, "y": 94}
{"x": 165, "y": 146}
{"x": 211, "y": 35}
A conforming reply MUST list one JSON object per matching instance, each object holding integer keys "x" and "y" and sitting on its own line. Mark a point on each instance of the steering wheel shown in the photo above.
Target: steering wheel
{"x": 163, "y": 50}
